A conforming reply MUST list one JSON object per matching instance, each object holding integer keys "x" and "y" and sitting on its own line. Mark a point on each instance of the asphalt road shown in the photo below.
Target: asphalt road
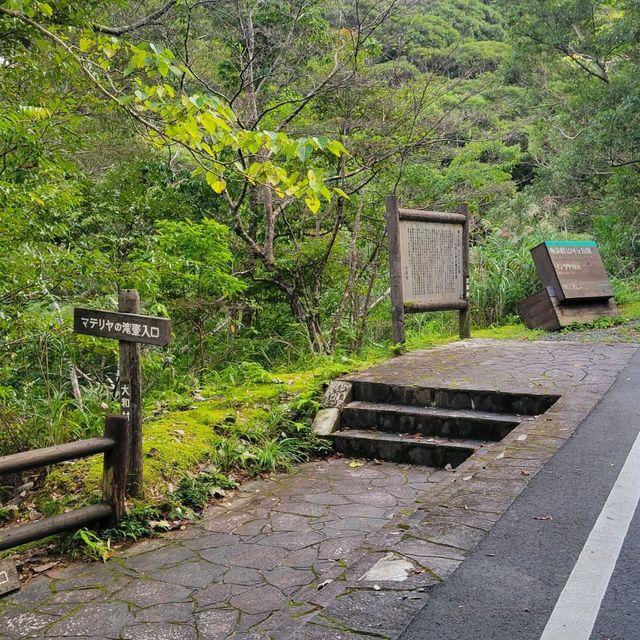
{"x": 509, "y": 586}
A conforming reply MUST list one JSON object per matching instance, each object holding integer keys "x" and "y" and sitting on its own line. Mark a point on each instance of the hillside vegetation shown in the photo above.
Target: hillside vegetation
{"x": 230, "y": 160}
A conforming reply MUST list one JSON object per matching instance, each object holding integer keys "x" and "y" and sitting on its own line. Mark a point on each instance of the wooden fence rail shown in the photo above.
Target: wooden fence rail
{"x": 114, "y": 446}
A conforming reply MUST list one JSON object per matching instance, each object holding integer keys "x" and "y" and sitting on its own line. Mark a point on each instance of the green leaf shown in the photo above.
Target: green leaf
{"x": 313, "y": 202}
{"x": 304, "y": 150}
{"x": 337, "y": 148}
{"x": 216, "y": 183}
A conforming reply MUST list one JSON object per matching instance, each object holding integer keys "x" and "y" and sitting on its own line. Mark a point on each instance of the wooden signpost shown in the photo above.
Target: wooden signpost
{"x": 576, "y": 287}
{"x": 131, "y": 330}
{"x": 429, "y": 264}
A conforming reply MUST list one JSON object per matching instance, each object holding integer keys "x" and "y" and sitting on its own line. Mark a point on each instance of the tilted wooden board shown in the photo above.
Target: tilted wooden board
{"x": 573, "y": 269}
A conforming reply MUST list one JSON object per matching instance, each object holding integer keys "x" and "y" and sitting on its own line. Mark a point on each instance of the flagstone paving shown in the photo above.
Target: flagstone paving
{"x": 232, "y": 571}
{"x": 335, "y": 550}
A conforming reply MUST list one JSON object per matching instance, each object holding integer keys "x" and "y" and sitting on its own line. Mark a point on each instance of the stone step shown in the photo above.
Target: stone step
{"x": 403, "y": 448}
{"x": 428, "y": 421}
{"x": 526, "y": 404}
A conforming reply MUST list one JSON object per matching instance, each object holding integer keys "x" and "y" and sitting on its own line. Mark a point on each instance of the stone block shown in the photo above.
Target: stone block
{"x": 338, "y": 393}
{"x": 326, "y": 421}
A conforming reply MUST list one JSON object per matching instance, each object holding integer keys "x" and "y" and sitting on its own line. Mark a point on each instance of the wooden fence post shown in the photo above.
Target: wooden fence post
{"x": 465, "y": 317}
{"x": 114, "y": 475}
{"x": 395, "y": 271}
{"x": 131, "y": 381}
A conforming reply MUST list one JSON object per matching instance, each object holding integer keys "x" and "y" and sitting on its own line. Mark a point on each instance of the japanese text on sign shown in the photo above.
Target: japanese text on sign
{"x": 128, "y": 328}
{"x": 125, "y": 399}
{"x": 122, "y": 326}
{"x": 432, "y": 262}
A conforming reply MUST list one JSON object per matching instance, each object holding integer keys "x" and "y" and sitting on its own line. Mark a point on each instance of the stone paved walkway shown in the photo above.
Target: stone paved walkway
{"x": 229, "y": 574}
{"x": 332, "y": 551}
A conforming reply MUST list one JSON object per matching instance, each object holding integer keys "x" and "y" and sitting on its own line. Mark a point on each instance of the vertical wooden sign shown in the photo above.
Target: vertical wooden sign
{"x": 395, "y": 271}
{"x": 130, "y": 392}
{"x": 428, "y": 263}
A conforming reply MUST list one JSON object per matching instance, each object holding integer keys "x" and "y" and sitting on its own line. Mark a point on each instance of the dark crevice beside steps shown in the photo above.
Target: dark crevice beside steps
{"x": 429, "y": 426}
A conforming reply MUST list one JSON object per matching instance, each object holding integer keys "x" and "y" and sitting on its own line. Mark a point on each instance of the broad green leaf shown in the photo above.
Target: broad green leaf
{"x": 216, "y": 183}
{"x": 313, "y": 202}
{"x": 337, "y": 148}
{"x": 304, "y": 150}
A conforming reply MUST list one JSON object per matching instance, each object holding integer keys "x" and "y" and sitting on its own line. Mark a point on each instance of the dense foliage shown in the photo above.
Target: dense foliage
{"x": 229, "y": 160}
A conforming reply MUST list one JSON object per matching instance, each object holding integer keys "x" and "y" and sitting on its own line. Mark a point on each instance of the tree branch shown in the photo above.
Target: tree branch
{"x": 143, "y": 22}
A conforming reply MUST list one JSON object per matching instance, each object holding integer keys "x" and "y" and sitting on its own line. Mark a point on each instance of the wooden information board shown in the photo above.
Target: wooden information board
{"x": 431, "y": 256}
{"x": 573, "y": 269}
{"x": 575, "y": 289}
{"x": 429, "y": 263}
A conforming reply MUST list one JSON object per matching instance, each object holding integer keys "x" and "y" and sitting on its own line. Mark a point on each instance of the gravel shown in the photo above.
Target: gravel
{"x": 628, "y": 332}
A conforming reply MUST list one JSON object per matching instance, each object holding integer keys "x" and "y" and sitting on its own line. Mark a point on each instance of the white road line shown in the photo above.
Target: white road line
{"x": 577, "y": 608}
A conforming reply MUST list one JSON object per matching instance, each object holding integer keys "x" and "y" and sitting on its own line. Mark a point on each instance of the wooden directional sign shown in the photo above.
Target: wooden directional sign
{"x": 130, "y": 329}
{"x": 428, "y": 262}
{"x": 122, "y": 326}
{"x": 573, "y": 269}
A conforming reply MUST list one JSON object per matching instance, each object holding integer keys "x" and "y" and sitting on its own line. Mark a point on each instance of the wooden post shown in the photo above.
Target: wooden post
{"x": 464, "y": 318}
{"x": 116, "y": 464}
{"x": 130, "y": 375}
{"x": 395, "y": 271}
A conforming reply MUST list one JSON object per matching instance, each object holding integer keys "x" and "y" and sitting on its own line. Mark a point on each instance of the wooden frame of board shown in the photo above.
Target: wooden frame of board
{"x": 428, "y": 263}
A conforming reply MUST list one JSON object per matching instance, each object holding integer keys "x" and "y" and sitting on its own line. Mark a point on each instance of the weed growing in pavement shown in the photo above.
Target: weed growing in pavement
{"x": 195, "y": 492}
{"x": 89, "y": 544}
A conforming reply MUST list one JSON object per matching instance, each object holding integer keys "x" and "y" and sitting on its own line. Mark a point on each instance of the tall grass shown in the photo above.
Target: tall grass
{"x": 502, "y": 274}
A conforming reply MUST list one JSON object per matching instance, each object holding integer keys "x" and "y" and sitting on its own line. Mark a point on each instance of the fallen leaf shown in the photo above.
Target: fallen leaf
{"x": 322, "y": 585}
{"x": 524, "y": 472}
{"x": 543, "y": 517}
{"x": 356, "y": 463}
